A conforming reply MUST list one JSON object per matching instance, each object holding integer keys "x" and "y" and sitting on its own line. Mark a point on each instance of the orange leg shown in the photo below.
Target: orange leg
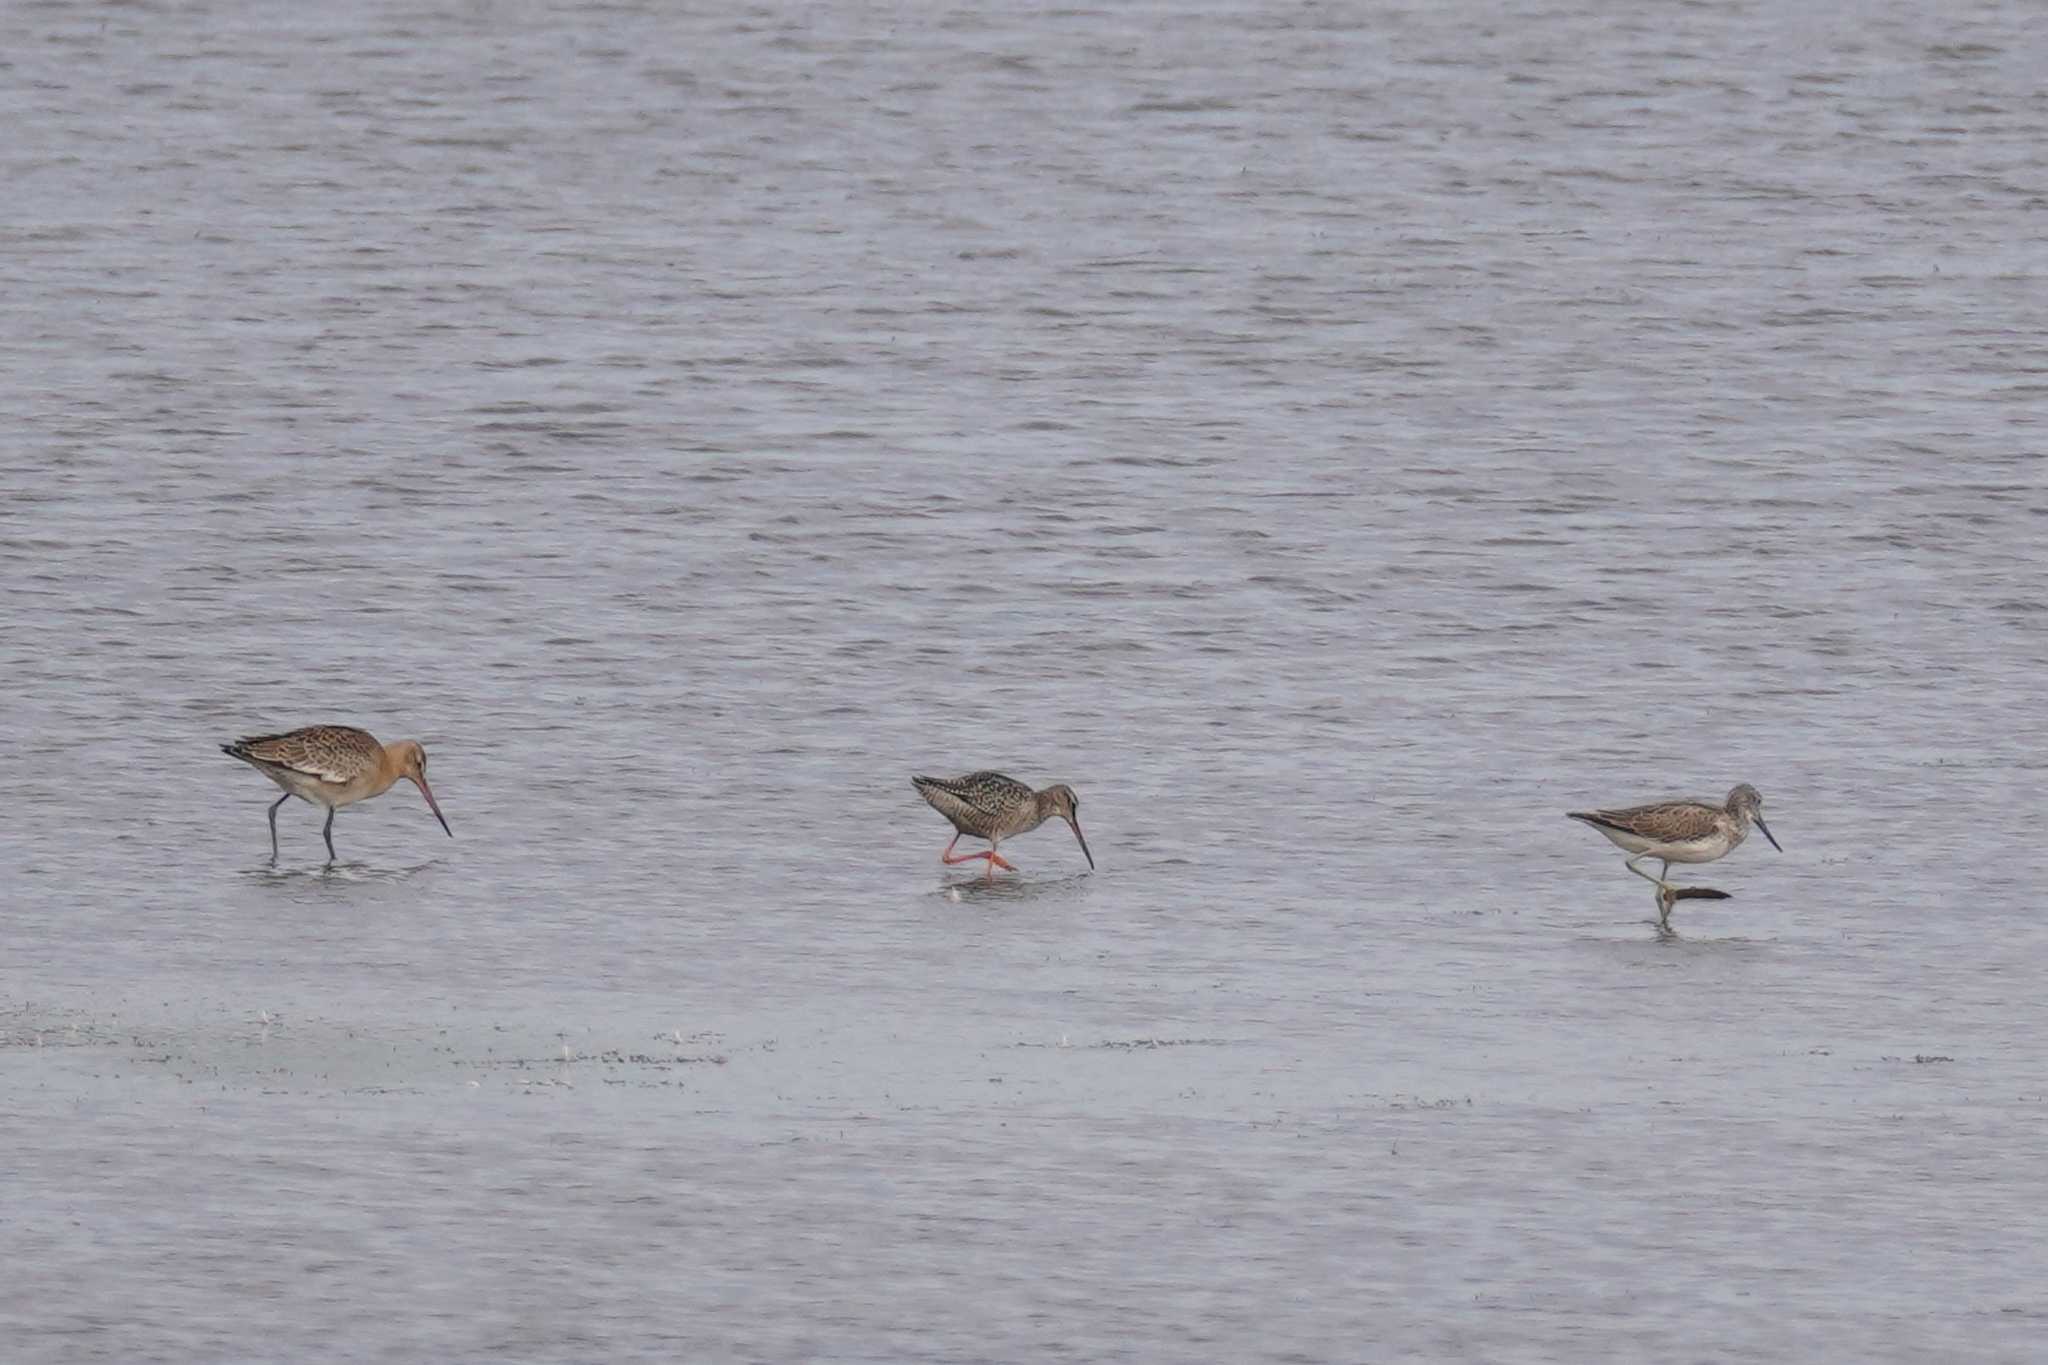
{"x": 995, "y": 859}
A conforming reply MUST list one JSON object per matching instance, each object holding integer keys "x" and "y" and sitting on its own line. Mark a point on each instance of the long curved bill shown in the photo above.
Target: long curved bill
{"x": 1767, "y": 833}
{"x": 432, "y": 804}
{"x": 1084, "y": 844}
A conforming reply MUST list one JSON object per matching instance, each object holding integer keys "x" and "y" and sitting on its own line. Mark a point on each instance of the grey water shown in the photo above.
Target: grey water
{"x": 1336, "y": 440}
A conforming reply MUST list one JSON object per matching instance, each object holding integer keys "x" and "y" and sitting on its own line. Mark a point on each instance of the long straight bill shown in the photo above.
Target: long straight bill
{"x": 432, "y": 804}
{"x": 1084, "y": 844}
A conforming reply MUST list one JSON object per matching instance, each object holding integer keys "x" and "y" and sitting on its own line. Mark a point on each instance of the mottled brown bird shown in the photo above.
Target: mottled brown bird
{"x": 994, "y": 807}
{"x": 333, "y": 766}
{"x": 1680, "y": 832}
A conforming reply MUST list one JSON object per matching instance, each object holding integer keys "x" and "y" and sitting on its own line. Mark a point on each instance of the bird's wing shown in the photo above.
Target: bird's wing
{"x": 332, "y": 753}
{"x": 1667, "y": 822}
{"x": 976, "y": 798}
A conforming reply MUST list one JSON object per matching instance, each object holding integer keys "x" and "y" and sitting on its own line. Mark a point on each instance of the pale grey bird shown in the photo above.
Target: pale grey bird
{"x": 1680, "y": 832}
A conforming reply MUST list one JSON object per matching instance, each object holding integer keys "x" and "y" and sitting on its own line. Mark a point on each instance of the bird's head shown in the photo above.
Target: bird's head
{"x": 410, "y": 758}
{"x": 1746, "y": 803}
{"x": 1060, "y": 800}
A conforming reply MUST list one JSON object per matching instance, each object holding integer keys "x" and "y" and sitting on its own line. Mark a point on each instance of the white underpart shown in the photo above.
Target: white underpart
{"x": 1688, "y": 851}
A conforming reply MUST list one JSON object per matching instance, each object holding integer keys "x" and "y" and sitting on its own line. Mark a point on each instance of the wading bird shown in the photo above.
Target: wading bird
{"x": 1680, "y": 832}
{"x": 993, "y": 807}
{"x": 333, "y": 766}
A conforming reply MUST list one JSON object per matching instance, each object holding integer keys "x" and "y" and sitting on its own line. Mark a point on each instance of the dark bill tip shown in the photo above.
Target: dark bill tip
{"x": 1084, "y": 844}
{"x": 432, "y": 804}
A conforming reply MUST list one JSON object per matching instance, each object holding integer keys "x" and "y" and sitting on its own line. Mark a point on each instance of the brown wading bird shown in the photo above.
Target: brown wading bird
{"x": 333, "y": 766}
{"x": 1681, "y": 832}
{"x": 993, "y": 807}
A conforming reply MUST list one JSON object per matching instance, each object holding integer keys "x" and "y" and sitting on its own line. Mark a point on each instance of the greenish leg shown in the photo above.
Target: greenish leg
{"x": 1662, "y": 884}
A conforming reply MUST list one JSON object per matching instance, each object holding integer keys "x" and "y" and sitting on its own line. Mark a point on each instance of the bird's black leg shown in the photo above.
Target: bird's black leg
{"x": 273, "y": 823}
{"x": 327, "y": 833}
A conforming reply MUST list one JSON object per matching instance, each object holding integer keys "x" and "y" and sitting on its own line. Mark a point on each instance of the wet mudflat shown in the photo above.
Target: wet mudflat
{"x": 1336, "y": 445}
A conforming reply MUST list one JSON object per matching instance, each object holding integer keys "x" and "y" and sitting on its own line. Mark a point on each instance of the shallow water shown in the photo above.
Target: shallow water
{"x": 1336, "y": 444}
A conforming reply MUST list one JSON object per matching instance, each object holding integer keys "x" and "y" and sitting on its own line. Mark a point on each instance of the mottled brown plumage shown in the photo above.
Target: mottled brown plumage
{"x": 991, "y": 806}
{"x": 332, "y": 753}
{"x": 333, "y": 766}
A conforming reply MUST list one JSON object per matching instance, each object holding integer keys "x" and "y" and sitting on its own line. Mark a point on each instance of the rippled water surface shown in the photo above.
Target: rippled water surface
{"x": 1335, "y": 440}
